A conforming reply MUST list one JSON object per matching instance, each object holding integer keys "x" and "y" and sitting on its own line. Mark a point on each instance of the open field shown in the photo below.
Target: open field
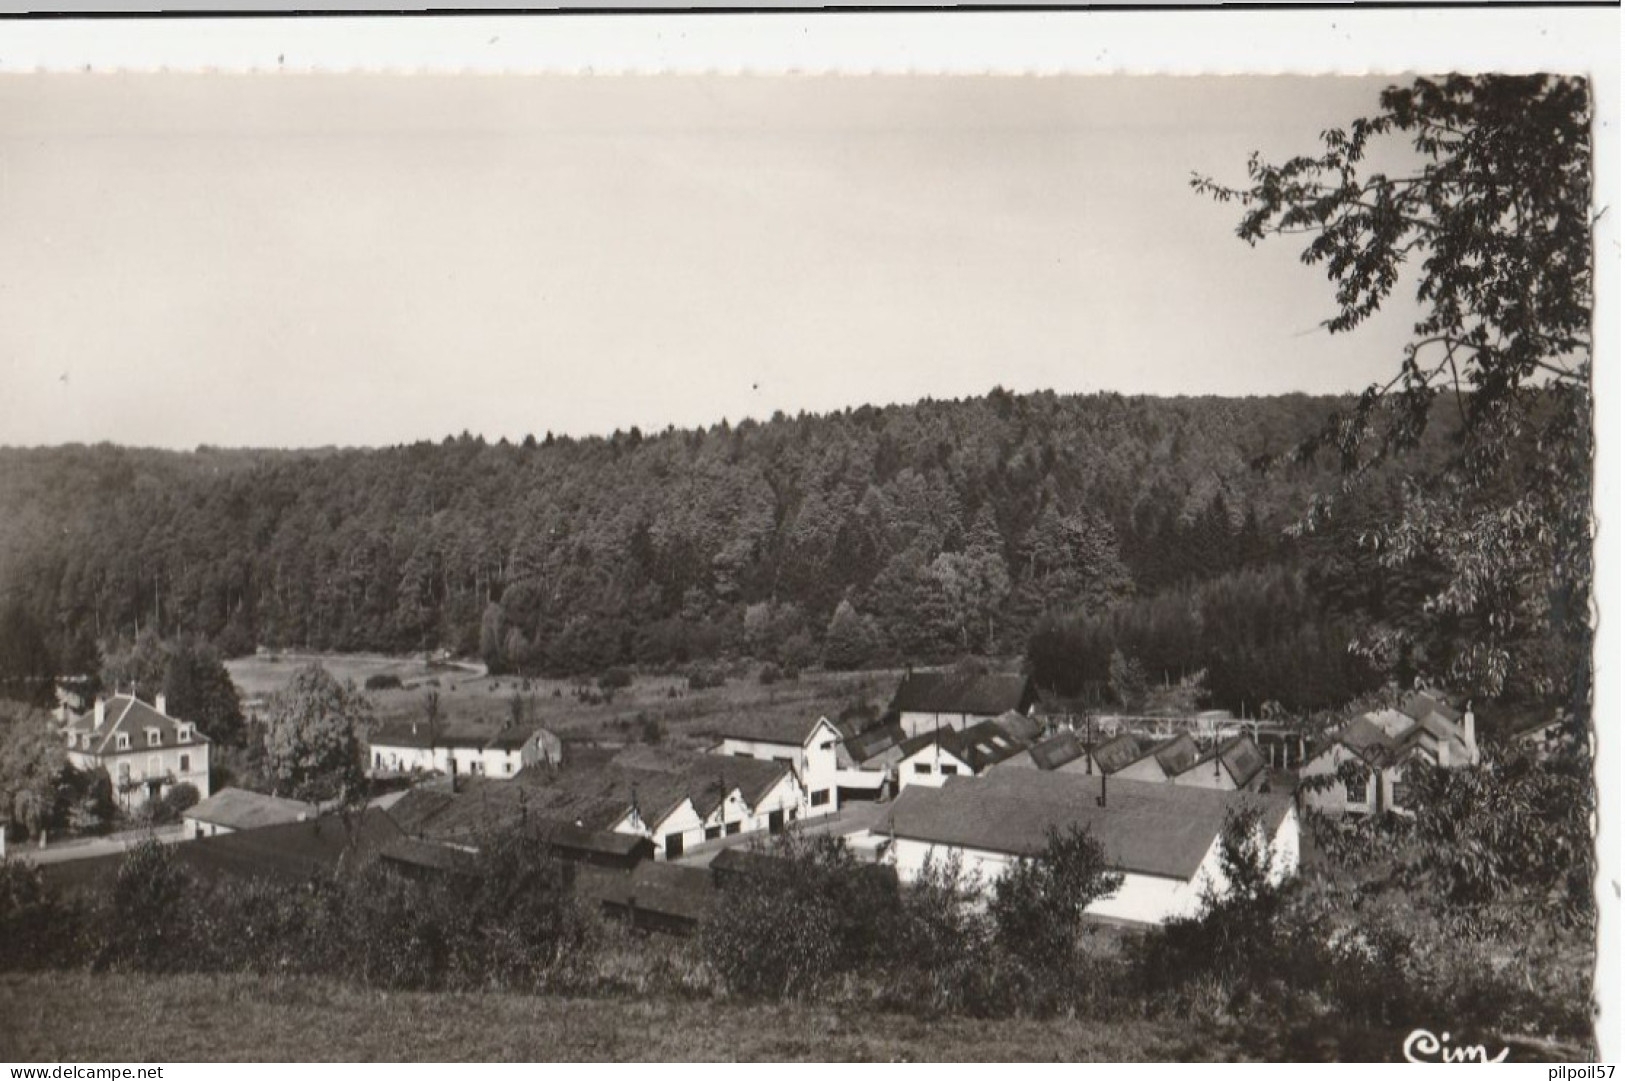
{"x": 691, "y": 718}
{"x": 80, "y": 1017}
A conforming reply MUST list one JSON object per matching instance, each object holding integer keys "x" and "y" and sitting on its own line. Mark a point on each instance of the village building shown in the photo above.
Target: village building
{"x": 928, "y": 701}
{"x": 1062, "y": 751}
{"x": 1359, "y": 767}
{"x": 144, "y": 750}
{"x": 933, "y": 757}
{"x": 417, "y": 747}
{"x": 1164, "y": 839}
{"x": 1113, "y": 755}
{"x": 811, "y": 748}
{"x": 867, "y": 758}
{"x": 676, "y": 800}
{"x": 232, "y": 809}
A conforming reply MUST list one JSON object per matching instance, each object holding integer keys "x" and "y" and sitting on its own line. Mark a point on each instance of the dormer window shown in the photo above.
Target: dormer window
{"x": 154, "y": 738}
{"x": 123, "y": 741}
{"x": 183, "y": 733}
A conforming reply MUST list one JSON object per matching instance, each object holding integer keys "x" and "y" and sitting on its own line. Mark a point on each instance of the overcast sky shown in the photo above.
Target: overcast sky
{"x": 305, "y": 260}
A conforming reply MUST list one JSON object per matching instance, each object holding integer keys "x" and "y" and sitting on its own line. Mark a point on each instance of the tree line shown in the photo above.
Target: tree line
{"x": 946, "y": 527}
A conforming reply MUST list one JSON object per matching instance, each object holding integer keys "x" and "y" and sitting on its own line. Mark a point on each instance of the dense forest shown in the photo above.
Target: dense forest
{"x": 901, "y": 534}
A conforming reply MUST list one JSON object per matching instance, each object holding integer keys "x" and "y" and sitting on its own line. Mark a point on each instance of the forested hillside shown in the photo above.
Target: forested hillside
{"x": 898, "y": 534}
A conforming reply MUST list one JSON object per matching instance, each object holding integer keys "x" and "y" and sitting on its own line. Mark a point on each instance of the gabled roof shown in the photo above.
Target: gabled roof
{"x": 1364, "y": 738}
{"x": 963, "y": 692}
{"x": 1019, "y": 726}
{"x": 1057, "y": 751}
{"x": 513, "y": 739}
{"x": 1176, "y": 755}
{"x": 1118, "y": 752}
{"x": 430, "y": 855}
{"x": 1145, "y": 827}
{"x": 127, "y": 714}
{"x": 1242, "y": 759}
{"x": 869, "y": 745}
{"x": 240, "y": 809}
{"x": 790, "y": 731}
{"x": 979, "y": 746}
{"x": 594, "y": 793}
{"x": 1419, "y": 704}
{"x": 416, "y": 736}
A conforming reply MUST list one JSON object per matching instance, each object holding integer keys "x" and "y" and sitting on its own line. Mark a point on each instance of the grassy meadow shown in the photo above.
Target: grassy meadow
{"x": 688, "y": 717}
{"x": 76, "y": 1016}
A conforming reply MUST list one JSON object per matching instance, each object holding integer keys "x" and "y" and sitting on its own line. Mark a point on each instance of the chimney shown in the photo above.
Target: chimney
{"x": 1470, "y": 734}
{"x": 158, "y": 704}
{"x": 101, "y": 712}
{"x": 1444, "y": 752}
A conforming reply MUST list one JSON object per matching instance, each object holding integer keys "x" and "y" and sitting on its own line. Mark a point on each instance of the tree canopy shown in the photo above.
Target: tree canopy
{"x": 314, "y": 731}
{"x": 1487, "y": 209}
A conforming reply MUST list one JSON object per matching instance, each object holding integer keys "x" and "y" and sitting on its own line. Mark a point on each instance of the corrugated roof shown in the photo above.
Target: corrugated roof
{"x": 1147, "y": 828}
{"x": 962, "y": 692}
{"x": 240, "y": 809}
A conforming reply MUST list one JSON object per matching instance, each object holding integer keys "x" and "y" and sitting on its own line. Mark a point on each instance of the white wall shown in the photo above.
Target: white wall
{"x": 938, "y": 765}
{"x": 1141, "y": 899}
{"x": 915, "y": 724}
{"x": 383, "y": 758}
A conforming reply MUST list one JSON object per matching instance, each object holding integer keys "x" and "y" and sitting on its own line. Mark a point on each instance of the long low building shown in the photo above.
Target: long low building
{"x": 1164, "y": 839}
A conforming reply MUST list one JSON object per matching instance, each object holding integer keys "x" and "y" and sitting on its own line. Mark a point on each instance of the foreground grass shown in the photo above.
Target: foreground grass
{"x": 83, "y": 1018}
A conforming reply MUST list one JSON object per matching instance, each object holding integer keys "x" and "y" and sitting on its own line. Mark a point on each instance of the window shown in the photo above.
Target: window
{"x": 154, "y": 738}
{"x": 186, "y": 763}
{"x": 732, "y": 828}
{"x": 743, "y": 754}
{"x": 123, "y": 741}
{"x": 507, "y": 766}
{"x": 377, "y": 760}
{"x": 713, "y": 832}
{"x": 826, "y": 745}
{"x": 124, "y": 773}
{"x": 949, "y": 769}
{"x": 183, "y": 733}
{"x": 922, "y": 767}
{"x": 820, "y": 798}
{"x": 1355, "y": 791}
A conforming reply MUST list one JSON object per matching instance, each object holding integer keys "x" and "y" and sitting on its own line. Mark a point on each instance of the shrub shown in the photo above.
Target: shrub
{"x": 1038, "y": 904}
{"x": 770, "y": 674}
{"x": 704, "y": 676}
{"x": 37, "y": 929}
{"x": 175, "y": 802}
{"x": 383, "y": 682}
{"x": 810, "y": 914}
{"x": 615, "y": 679}
{"x": 145, "y": 922}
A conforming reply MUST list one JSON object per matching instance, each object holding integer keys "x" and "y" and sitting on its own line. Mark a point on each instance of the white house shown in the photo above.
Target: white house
{"x": 145, "y": 751}
{"x": 931, "y": 758}
{"x": 418, "y": 748}
{"x": 1380, "y": 745}
{"x": 811, "y": 748}
{"x": 1164, "y": 839}
{"x": 929, "y": 701}
{"x": 233, "y": 809}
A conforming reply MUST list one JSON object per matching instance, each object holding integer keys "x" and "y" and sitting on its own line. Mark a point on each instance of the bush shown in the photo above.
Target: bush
{"x": 704, "y": 676}
{"x": 770, "y": 674}
{"x": 615, "y": 679}
{"x": 37, "y": 930}
{"x": 383, "y": 682}
{"x": 174, "y": 803}
{"x": 144, "y": 925}
{"x": 809, "y": 915}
